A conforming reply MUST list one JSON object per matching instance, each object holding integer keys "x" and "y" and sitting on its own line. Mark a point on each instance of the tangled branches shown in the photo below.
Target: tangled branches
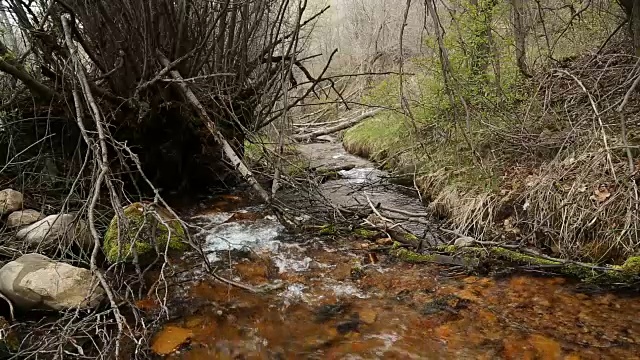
{"x": 123, "y": 75}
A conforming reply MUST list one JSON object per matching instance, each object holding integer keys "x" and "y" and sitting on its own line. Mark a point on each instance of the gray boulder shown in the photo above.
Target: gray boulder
{"x": 35, "y": 281}
{"x": 10, "y": 200}
{"x": 23, "y": 218}
{"x": 57, "y": 231}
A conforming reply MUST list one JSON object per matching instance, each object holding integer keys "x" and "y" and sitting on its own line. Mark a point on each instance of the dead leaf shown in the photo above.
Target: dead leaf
{"x": 601, "y": 193}
{"x": 169, "y": 339}
{"x": 384, "y": 241}
{"x": 147, "y": 304}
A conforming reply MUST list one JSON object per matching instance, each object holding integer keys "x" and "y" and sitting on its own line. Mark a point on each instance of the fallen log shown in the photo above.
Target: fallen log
{"x": 344, "y": 125}
{"x": 228, "y": 151}
{"x": 627, "y": 273}
{"x": 472, "y": 253}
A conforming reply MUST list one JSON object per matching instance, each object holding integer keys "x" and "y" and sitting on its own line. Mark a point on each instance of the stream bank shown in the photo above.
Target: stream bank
{"x": 344, "y": 297}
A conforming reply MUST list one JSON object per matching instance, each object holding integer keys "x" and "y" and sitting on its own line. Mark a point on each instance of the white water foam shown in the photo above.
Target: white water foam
{"x": 259, "y": 234}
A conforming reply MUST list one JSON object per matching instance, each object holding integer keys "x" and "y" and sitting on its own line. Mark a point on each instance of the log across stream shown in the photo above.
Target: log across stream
{"x": 330, "y": 296}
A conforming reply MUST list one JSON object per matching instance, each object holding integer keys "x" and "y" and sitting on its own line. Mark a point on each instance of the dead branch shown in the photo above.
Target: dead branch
{"x": 101, "y": 156}
{"x": 235, "y": 160}
{"x": 344, "y": 125}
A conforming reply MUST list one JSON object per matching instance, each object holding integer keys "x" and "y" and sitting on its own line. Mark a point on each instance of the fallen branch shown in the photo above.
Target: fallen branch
{"x": 235, "y": 160}
{"x": 330, "y": 130}
{"x": 265, "y": 288}
{"x": 100, "y": 151}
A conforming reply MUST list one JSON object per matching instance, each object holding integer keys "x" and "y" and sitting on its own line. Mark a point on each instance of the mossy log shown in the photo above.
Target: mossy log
{"x": 603, "y": 274}
{"x": 413, "y": 257}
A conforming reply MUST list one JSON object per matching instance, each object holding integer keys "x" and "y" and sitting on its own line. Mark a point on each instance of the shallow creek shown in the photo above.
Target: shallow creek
{"x": 335, "y": 303}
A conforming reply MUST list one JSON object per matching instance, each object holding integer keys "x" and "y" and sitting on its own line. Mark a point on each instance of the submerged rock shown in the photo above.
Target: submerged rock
{"x": 10, "y": 200}
{"x": 57, "y": 232}
{"x": 148, "y": 225}
{"x": 23, "y": 218}
{"x": 35, "y": 281}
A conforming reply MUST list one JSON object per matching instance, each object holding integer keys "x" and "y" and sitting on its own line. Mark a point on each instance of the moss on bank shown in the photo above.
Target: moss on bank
{"x": 629, "y": 272}
{"x": 477, "y": 197}
{"x": 145, "y": 226}
{"x": 366, "y": 233}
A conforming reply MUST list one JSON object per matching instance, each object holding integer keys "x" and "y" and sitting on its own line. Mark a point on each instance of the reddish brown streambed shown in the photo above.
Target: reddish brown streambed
{"x": 332, "y": 305}
{"x": 331, "y": 308}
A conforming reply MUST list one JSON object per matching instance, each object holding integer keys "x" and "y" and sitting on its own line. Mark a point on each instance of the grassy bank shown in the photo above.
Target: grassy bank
{"x": 548, "y": 172}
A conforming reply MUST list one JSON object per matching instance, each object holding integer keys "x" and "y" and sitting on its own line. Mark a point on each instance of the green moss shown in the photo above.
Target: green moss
{"x": 632, "y": 265}
{"x": 411, "y": 237}
{"x": 253, "y": 151}
{"x": 520, "y": 258}
{"x": 296, "y": 165}
{"x": 366, "y": 233}
{"x": 626, "y": 273}
{"x": 328, "y": 229}
{"x": 140, "y": 231}
{"x": 413, "y": 257}
{"x": 449, "y": 249}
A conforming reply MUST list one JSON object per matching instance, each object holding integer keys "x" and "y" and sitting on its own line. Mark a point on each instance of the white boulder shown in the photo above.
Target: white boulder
{"x": 57, "y": 231}
{"x": 23, "y": 217}
{"x": 10, "y": 200}
{"x": 35, "y": 281}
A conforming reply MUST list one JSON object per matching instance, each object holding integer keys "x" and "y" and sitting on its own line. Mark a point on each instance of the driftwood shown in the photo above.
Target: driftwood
{"x": 231, "y": 155}
{"x": 343, "y": 125}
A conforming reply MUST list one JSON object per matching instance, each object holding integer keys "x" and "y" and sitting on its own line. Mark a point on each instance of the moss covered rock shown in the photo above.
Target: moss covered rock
{"x": 147, "y": 226}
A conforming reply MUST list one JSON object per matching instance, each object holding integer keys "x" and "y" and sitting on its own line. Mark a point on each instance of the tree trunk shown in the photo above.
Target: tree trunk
{"x": 632, "y": 9}
{"x": 520, "y": 36}
{"x": 481, "y": 52}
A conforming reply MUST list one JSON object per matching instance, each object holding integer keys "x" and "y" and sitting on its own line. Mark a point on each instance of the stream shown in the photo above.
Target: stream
{"x": 333, "y": 297}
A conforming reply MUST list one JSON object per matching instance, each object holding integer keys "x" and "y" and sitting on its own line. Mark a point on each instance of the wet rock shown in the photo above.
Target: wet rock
{"x": 447, "y": 303}
{"x": 464, "y": 241}
{"x": 35, "y": 281}
{"x": 326, "y": 138}
{"x": 148, "y": 226}
{"x": 169, "y": 339}
{"x": 57, "y": 231}
{"x": 329, "y": 311}
{"x": 342, "y": 271}
{"x": 10, "y": 200}
{"x": 23, "y": 218}
{"x": 345, "y": 327}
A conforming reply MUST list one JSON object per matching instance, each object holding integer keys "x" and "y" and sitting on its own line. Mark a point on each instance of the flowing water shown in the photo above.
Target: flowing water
{"x": 338, "y": 298}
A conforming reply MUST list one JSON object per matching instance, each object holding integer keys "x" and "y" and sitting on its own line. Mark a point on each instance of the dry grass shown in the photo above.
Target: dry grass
{"x": 556, "y": 177}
